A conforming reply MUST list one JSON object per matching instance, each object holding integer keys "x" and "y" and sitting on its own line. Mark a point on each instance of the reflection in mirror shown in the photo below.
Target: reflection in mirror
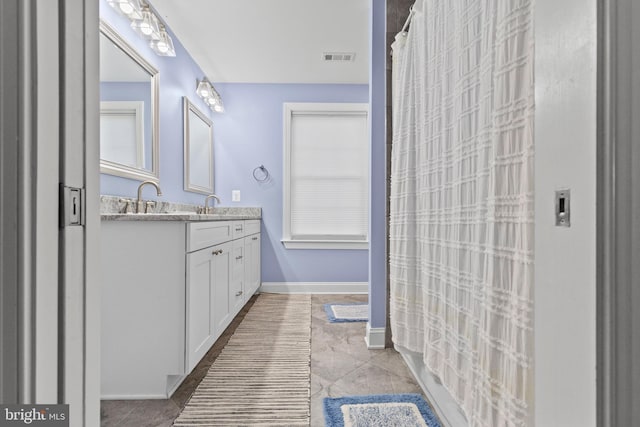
{"x": 198, "y": 150}
{"x": 128, "y": 110}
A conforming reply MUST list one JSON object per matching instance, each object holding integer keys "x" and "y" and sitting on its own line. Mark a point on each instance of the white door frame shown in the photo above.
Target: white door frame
{"x": 9, "y": 131}
{"x": 618, "y": 214}
{"x": 79, "y": 254}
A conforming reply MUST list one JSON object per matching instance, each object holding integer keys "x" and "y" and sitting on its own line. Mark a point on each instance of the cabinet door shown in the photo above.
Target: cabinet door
{"x": 236, "y": 289}
{"x": 222, "y": 260}
{"x": 200, "y": 330}
{"x": 252, "y": 265}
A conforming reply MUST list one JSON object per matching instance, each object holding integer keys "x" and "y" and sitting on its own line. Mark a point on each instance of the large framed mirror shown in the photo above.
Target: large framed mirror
{"x": 129, "y": 144}
{"x": 198, "y": 150}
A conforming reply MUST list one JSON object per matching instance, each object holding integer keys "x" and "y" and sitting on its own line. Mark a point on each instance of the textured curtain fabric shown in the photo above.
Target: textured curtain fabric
{"x": 461, "y": 228}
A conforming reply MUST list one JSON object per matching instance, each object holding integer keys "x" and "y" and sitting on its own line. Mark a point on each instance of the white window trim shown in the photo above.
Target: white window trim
{"x": 135, "y": 111}
{"x": 320, "y": 109}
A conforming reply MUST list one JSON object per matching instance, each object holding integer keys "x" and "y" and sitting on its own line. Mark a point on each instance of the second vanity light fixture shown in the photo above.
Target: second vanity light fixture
{"x": 210, "y": 96}
{"x": 147, "y": 24}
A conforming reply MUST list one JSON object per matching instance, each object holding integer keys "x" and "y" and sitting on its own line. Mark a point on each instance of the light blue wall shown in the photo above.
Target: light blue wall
{"x": 378, "y": 182}
{"x": 248, "y": 134}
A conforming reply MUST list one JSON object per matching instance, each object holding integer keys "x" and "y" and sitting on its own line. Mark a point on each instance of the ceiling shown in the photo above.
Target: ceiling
{"x": 272, "y": 41}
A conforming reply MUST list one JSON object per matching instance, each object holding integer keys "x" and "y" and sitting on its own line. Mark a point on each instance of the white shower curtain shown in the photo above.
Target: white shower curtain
{"x": 461, "y": 230}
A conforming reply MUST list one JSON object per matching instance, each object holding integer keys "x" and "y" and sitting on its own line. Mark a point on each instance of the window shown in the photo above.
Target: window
{"x": 326, "y": 176}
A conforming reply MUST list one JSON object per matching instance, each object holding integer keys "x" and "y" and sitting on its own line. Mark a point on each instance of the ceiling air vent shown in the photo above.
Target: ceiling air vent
{"x": 339, "y": 56}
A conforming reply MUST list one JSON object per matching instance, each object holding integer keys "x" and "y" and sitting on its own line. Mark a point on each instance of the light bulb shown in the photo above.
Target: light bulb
{"x": 162, "y": 46}
{"x": 145, "y": 28}
{"x": 218, "y": 108}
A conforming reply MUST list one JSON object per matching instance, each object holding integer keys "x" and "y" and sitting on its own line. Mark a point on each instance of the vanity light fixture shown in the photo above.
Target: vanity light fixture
{"x": 129, "y": 8}
{"x": 146, "y": 23}
{"x": 148, "y": 26}
{"x": 164, "y": 45}
{"x": 210, "y": 96}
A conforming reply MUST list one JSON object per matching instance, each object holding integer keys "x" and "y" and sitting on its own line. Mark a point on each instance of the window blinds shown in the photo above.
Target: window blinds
{"x": 328, "y": 188}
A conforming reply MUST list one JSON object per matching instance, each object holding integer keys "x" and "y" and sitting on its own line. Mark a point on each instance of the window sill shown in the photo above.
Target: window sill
{"x": 325, "y": 244}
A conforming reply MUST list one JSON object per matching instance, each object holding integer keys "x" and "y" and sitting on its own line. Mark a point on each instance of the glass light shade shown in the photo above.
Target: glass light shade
{"x": 128, "y": 8}
{"x": 219, "y": 106}
{"x": 147, "y": 27}
{"x": 163, "y": 46}
{"x": 204, "y": 89}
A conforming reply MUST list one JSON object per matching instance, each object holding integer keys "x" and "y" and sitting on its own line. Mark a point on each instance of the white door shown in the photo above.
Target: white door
{"x": 221, "y": 281}
{"x": 48, "y": 122}
{"x": 201, "y": 333}
{"x": 236, "y": 287}
{"x": 252, "y": 265}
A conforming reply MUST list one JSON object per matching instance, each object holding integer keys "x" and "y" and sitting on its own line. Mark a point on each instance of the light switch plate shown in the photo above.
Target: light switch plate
{"x": 235, "y": 195}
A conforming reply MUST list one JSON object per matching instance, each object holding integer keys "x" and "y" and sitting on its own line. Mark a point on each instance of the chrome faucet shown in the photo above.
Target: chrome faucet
{"x": 207, "y": 209}
{"x": 140, "y": 202}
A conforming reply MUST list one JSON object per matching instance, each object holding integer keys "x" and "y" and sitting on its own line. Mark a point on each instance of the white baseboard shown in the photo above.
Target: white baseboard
{"x": 315, "y": 288}
{"x": 375, "y": 337}
{"x": 445, "y": 407}
{"x": 173, "y": 382}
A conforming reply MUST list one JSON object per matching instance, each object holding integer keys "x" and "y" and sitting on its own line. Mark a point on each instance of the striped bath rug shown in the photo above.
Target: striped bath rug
{"x": 262, "y": 376}
{"x": 351, "y": 312}
{"x": 380, "y": 410}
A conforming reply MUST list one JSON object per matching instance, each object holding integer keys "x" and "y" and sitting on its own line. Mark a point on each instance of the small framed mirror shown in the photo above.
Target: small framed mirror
{"x": 198, "y": 150}
{"x": 129, "y": 144}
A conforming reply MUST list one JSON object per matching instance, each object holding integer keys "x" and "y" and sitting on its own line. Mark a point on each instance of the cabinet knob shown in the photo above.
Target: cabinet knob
{"x": 218, "y": 252}
{"x": 239, "y": 257}
{"x": 238, "y": 293}
{"x": 254, "y": 238}
{"x": 239, "y": 229}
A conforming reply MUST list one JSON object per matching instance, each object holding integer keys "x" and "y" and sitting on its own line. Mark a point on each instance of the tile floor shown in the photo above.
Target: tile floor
{"x": 341, "y": 365}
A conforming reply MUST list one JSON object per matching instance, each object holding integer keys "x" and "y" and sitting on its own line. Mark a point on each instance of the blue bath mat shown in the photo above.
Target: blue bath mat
{"x": 382, "y": 410}
{"x": 352, "y": 312}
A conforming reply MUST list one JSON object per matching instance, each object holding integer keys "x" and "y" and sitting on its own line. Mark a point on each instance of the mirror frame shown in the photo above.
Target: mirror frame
{"x": 188, "y": 186}
{"x": 118, "y": 169}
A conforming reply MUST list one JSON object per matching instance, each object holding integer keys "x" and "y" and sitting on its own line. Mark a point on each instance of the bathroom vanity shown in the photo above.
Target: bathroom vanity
{"x": 171, "y": 284}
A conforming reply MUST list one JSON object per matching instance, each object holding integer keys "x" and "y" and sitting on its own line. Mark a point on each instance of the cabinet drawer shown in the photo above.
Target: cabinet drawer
{"x": 251, "y": 226}
{"x": 204, "y": 234}
{"x": 238, "y": 229}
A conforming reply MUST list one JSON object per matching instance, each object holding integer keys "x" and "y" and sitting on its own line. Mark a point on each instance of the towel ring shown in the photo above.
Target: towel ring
{"x": 265, "y": 174}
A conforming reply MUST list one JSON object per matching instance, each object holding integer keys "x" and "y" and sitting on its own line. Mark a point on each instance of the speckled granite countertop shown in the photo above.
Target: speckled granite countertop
{"x": 111, "y": 209}
{"x": 249, "y": 213}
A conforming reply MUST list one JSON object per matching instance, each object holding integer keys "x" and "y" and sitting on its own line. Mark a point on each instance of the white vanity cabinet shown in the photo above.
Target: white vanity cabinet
{"x": 215, "y": 283}
{"x": 252, "y": 278}
{"x": 169, "y": 290}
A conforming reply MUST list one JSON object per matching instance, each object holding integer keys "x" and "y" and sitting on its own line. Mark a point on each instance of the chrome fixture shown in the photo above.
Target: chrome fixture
{"x": 140, "y": 204}
{"x": 147, "y": 26}
{"x": 127, "y": 205}
{"x": 207, "y": 209}
{"x": 129, "y": 8}
{"x": 210, "y": 96}
{"x": 164, "y": 45}
{"x": 146, "y": 23}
